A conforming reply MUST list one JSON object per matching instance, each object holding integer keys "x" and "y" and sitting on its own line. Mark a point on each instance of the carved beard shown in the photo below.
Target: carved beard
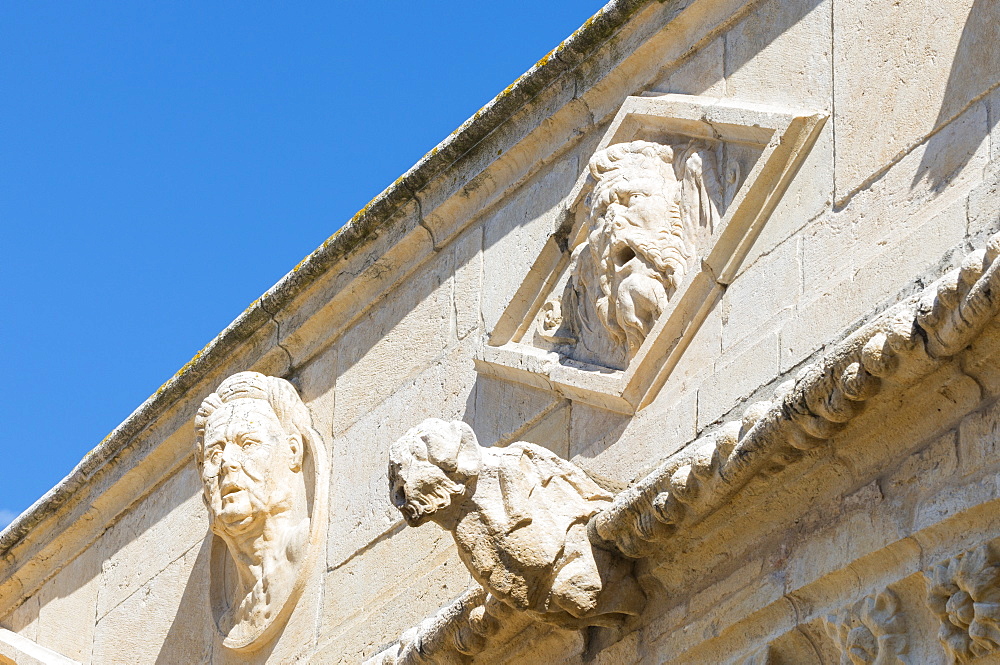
{"x": 431, "y": 498}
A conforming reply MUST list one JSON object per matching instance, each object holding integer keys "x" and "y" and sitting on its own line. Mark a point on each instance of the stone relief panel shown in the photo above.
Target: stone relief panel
{"x": 871, "y": 631}
{"x": 519, "y": 517}
{"x": 654, "y": 228}
{"x": 649, "y": 206}
{"x": 964, "y": 593}
{"x": 264, "y": 474}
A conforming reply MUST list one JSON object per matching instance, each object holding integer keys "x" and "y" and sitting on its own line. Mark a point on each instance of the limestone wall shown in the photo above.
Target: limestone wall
{"x": 380, "y": 329}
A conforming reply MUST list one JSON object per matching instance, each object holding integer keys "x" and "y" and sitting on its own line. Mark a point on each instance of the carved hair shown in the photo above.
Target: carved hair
{"x": 608, "y": 165}
{"x": 691, "y": 167}
{"x": 450, "y": 446}
{"x": 281, "y": 395}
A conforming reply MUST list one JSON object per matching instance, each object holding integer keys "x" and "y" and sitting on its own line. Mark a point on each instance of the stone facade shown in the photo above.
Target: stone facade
{"x": 688, "y": 344}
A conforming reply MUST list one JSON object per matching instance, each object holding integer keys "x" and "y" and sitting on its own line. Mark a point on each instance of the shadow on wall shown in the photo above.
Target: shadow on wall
{"x": 975, "y": 70}
{"x": 190, "y": 634}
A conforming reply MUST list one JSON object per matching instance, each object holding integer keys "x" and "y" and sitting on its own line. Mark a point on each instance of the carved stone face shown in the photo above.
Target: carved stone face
{"x": 645, "y": 254}
{"x": 419, "y": 489}
{"x": 250, "y": 464}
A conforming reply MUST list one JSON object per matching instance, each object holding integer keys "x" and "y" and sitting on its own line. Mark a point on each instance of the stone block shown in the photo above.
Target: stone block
{"x": 808, "y": 197}
{"x": 514, "y": 234}
{"x": 23, "y": 619}
{"x": 737, "y": 375}
{"x": 697, "y": 362}
{"x": 923, "y": 471}
{"x": 593, "y": 430}
{"x": 468, "y": 281}
{"x": 701, "y": 73}
{"x": 920, "y": 64}
{"x": 360, "y": 509}
{"x": 551, "y": 430}
{"x": 68, "y": 608}
{"x": 316, "y": 382}
{"x": 394, "y": 341}
{"x": 764, "y": 295}
{"x": 158, "y": 531}
{"x": 979, "y": 440}
{"x": 844, "y": 530}
{"x": 984, "y": 200}
{"x": 653, "y": 434}
{"x": 851, "y": 271}
{"x": 780, "y": 53}
{"x": 504, "y": 409}
{"x": 165, "y": 620}
{"x": 401, "y": 578}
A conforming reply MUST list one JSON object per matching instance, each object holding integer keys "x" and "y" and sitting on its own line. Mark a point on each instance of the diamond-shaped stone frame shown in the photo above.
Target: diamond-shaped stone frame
{"x": 785, "y": 137}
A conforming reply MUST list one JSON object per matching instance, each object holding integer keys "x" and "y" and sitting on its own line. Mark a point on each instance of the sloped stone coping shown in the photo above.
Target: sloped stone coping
{"x": 902, "y": 345}
{"x": 366, "y": 224}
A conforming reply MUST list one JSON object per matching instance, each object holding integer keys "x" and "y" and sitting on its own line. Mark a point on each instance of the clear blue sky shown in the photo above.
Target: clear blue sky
{"x": 163, "y": 164}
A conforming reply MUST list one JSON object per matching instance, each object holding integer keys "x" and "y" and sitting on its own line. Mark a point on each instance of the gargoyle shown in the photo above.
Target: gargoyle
{"x": 519, "y": 517}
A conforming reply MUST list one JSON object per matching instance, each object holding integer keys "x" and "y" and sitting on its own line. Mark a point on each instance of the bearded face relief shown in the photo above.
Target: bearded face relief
{"x": 649, "y": 206}
{"x": 262, "y": 467}
{"x": 519, "y": 517}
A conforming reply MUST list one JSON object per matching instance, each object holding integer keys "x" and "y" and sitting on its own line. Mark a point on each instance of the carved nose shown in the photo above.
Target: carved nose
{"x": 229, "y": 457}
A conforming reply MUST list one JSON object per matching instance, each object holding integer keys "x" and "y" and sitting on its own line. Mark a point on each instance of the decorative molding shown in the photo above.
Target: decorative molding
{"x": 519, "y": 517}
{"x": 900, "y": 346}
{"x": 455, "y": 634}
{"x": 871, "y": 631}
{"x": 604, "y": 317}
{"x": 19, "y": 650}
{"x": 265, "y": 478}
{"x": 964, "y": 593}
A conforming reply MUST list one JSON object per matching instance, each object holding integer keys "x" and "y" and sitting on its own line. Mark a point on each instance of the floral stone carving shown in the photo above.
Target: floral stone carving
{"x": 871, "y": 631}
{"x": 519, "y": 517}
{"x": 263, "y": 469}
{"x": 964, "y": 593}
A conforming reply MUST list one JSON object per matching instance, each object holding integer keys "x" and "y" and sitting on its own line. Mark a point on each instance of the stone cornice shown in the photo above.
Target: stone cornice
{"x": 367, "y": 224}
{"x": 897, "y": 348}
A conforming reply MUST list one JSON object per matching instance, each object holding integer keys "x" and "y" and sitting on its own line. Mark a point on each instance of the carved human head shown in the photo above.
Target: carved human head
{"x": 646, "y": 200}
{"x": 250, "y": 437}
{"x": 431, "y": 467}
{"x": 636, "y": 197}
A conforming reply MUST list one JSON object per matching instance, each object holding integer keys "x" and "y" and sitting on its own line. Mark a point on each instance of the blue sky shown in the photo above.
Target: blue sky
{"x": 163, "y": 164}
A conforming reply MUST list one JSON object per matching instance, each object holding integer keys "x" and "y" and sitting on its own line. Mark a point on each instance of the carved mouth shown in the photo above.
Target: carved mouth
{"x": 229, "y": 489}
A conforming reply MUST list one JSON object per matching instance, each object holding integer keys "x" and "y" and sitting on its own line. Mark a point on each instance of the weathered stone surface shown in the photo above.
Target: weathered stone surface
{"x": 264, "y": 475}
{"x": 802, "y": 467}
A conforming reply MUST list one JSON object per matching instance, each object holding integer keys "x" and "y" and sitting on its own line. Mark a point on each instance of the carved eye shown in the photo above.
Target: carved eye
{"x": 634, "y": 197}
